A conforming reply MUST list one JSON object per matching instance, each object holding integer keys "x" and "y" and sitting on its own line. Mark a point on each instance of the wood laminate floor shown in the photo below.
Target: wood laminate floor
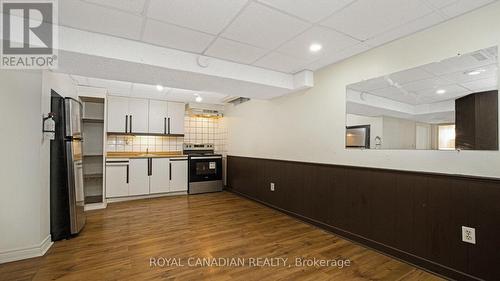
{"x": 118, "y": 243}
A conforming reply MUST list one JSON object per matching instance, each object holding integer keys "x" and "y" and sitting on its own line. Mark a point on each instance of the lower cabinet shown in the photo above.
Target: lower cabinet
{"x": 139, "y": 178}
{"x": 117, "y": 179}
{"x": 178, "y": 175}
{"x": 160, "y": 175}
{"x": 146, "y": 176}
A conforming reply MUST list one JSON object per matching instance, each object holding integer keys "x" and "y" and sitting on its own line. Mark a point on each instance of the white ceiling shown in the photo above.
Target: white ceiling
{"x": 273, "y": 34}
{"x": 419, "y": 85}
{"x": 138, "y": 90}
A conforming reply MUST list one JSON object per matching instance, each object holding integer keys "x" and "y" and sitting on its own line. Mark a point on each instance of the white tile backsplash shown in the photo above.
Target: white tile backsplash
{"x": 197, "y": 130}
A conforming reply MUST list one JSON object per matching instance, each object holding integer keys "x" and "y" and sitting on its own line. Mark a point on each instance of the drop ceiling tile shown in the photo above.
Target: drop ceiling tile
{"x": 370, "y": 85}
{"x": 172, "y": 36}
{"x": 396, "y": 94}
{"x": 463, "y": 6}
{"x": 147, "y": 91}
{"x": 410, "y": 75}
{"x": 406, "y": 29}
{"x": 332, "y": 42}
{"x": 85, "y": 16}
{"x": 488, "y": 84}
{"x": 281, "y": 62}
{"x": 264, "y": 27}
{"x": 452, "y": 91}
{"x": 463, "y": 77}
{"x": 430, "y": 83}
{"x": 306, "y": 10}
{"x": 365, "y": 19}
{"x": 114, "y": 87}
{"x": 134, "y": 6}
{"x": 329, "y": 59}
{"x": 441, "y": 3}
{"x": 209, "y": 16}
{"x": 234, "y": 51}
{"x": 460, "y": 63}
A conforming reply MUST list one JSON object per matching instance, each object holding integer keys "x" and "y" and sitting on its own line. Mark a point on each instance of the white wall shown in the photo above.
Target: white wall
{"x": 309, "y": 126}
{"x": 24, "y": 162}
{"x": 399, "y": 133}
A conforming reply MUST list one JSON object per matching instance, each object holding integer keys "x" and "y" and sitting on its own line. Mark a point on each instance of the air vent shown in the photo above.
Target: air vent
{"x": 237, "y": 101}
{"x": 479, "y": 56}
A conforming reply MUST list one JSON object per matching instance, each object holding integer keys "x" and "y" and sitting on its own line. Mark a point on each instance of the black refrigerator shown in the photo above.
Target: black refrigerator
{"x": 67, "y": 216}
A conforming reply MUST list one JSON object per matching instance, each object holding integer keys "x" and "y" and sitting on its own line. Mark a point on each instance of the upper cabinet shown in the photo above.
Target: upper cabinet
{"x": 166, "y": 118}
{"x": 127, "y": 115}
{"x": 143, "y": 116}
{"x": 175, "y": 118}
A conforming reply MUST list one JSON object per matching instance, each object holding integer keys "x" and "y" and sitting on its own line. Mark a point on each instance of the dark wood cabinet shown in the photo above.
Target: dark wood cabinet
{"x": 476, "y": 119}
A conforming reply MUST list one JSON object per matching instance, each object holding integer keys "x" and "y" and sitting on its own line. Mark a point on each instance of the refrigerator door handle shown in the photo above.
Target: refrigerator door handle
{"x": 130, "y": 124}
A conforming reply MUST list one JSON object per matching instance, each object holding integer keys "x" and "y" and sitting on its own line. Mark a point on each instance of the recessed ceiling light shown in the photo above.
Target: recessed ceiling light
{"x": 315, "y": 47}
{"x": 199, "y": 99}
{"x": 159, "y": 87}
{"x": 475, "y": 72}
{"x": 441, "y": 91}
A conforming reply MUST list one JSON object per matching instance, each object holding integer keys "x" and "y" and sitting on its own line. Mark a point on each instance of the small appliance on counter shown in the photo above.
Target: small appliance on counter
{"x": 205, "y": 168}
{"x": 67, "y": 215}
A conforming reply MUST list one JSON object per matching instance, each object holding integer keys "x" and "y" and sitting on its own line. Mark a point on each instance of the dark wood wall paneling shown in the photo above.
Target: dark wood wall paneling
{"x": 413, "y": 216}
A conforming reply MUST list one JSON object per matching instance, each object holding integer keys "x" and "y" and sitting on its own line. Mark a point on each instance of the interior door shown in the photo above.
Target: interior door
{"x": 160, "y": 175}
{"x": 158, "y": 117}
{"x": 179, "y": 175}
{"x": 423, "y": 134}
{"x": 176, "y": 112}
{"x": 117, "y": 114}
{"x": 138, "y": 177}
{"x": 138, "y": 115}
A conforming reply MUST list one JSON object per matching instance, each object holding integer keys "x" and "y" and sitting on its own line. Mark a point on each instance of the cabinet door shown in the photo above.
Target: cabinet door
{"x": 139, "y": 115}
{"x": 116, "y": 181}
{"x": 176, "y": 113}
{"x": 117, "y": 114}
{"x": 159, "y": 180}
{"x": 179, "y": 177}
{"x": 158, "y": 117}
{"x": 139, "y": 178}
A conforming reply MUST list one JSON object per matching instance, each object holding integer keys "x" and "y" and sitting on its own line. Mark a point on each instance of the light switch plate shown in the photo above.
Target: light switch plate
{"x": 468, "y": 234}
{"x": 272, "y": 186}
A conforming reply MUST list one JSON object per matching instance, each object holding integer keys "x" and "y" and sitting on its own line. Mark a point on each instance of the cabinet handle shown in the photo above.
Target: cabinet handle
{"x": 165, "y": 125}
{"x": 169, "y": 125}
{"x": 170, "y": 171}
{"x": 150, "y": 166}
{"x": 126, "y": 123}
{"x": 127, "y": 173}
{"x": 130, "y": 123}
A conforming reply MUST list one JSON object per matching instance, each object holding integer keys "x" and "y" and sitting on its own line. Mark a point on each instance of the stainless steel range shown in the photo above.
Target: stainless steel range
{"x": 205, "y": 168}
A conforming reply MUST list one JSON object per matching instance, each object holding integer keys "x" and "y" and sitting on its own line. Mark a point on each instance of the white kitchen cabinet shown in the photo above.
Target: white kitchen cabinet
{"x": 117, "y": 114}
{"x": 128, "y": 115}
{"x": 139, "y": 115}
{"x": 159, "y": 180}
{"x": 175, "y": 118}
{"x": 117, "y": 180}
{"x": 158, "y": 114}
{"x": 138, "y": 177}
{"x": 179, "y": 175}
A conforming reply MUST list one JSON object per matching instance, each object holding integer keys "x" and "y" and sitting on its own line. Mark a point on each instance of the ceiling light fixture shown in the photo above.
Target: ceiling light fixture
{"x": 159, "y": 87}
{"x": 198, "y": 98}
{"x": 475, "y": 72}
{"x": 315, "y": 47}
{"x": 441, "y": 91}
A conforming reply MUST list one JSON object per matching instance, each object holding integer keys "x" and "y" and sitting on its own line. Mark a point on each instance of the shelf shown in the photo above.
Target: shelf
{"x": 93, "y": 176}
{"x": 145, "y": 134}
{"x": 92, "y": 120}
{"x": 93, "y": 199}
{"x": 93, "y": 155}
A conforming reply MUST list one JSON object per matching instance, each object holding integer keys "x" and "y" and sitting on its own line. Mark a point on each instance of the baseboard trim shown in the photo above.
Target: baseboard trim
{"x": 26, "y": 253}
{"x": 149, "y": 196}
{"x": 424, "y": 264}
{"x": 95, "y": 206}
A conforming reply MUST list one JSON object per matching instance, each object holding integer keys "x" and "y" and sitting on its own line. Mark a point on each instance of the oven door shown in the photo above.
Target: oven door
{"x": 205, "y": 168}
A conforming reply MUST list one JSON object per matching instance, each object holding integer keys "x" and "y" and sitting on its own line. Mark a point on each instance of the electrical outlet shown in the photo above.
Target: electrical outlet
{"x": 468, "y": 234}
{"x": 272, "y": 186}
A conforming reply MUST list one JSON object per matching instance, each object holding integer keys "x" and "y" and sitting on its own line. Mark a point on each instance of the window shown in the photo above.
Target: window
{"x": 446, "y": 135}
